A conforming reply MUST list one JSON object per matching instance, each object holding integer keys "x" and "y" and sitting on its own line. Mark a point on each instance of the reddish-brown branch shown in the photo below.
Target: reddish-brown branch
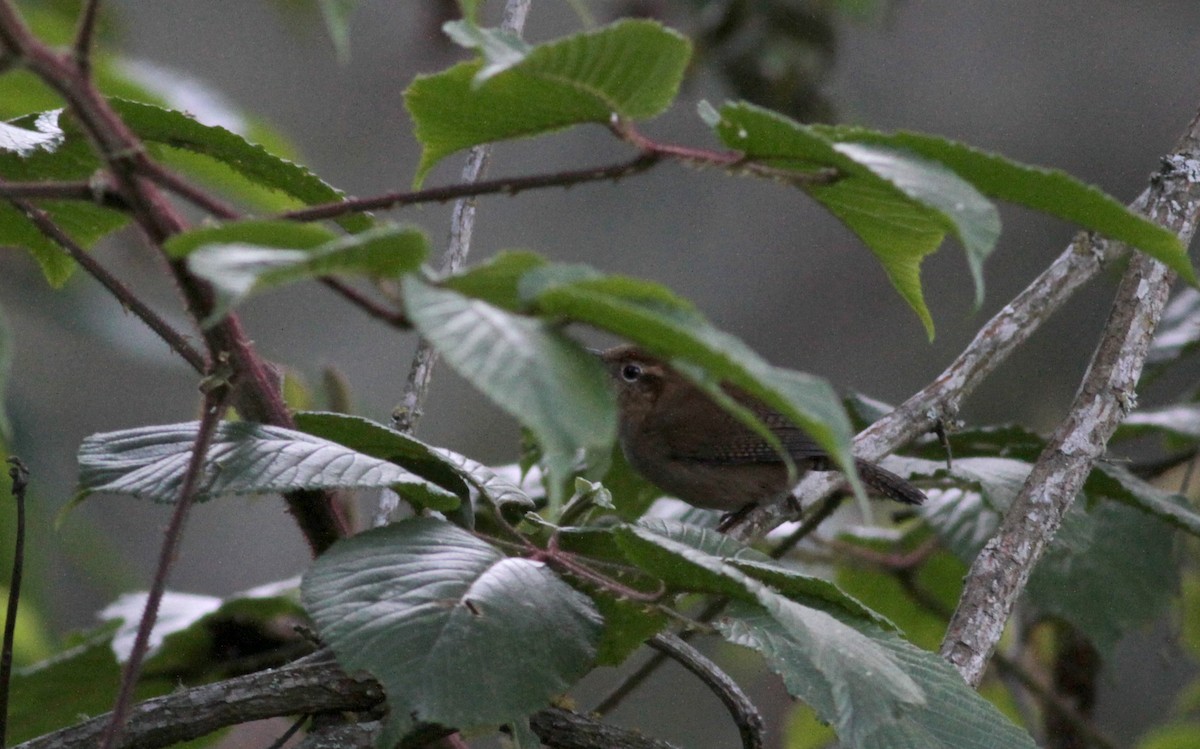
{"x": 130, "y": 301}
{"x": 92, "y": 192}
{"x": 507, "y": 186}
{"x": 257, "y": 396}
{"x": 85, "y": 34}
{"x": 214, "y": 408}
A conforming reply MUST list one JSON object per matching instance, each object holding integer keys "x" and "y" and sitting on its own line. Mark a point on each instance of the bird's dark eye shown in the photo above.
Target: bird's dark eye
{"x": 631, "y": 372}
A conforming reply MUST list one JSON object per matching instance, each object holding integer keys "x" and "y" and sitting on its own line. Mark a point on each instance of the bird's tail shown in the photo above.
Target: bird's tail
{"x": 884, "y": 482}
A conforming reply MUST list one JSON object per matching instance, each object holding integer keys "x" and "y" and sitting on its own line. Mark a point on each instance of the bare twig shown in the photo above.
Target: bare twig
{"x": 214, "y": 408}
{"x": 93, "y": 192}
{"x": 122, "y": 293}
{"x": 189, "y": 192}
{"x": 19, "y": 475}
{"x": 85, "y": 34}
{"x": 506, "y": 186}
{"x": 408, "y": 411}
{"x": 1107, "y": 393}
{"x": 745, "y": 715}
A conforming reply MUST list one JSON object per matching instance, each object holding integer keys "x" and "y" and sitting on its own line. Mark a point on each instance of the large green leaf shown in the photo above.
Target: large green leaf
{"x": 666, "y": 325}
{"x": 1116, "y": 482}
{"x": 899, "y": 203}
{"x": 244, "y": 458}
{"x": 1078, "y": 581}
{"x": 527, "y": 367}
{"x": 847, "y": 678}
{"x": 877, "y": 690}
{"x": 229, "y": 162}
{"x": 457, "y": 633}
{"x": 1047, "y": 190}
{"x": 1178, "y": 331}
{"x": 631, "y": 69}
{"x": 249, "y": 256}
{"x": 442, "y": 466}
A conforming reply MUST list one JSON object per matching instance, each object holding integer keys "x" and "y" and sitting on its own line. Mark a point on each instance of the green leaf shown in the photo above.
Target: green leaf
{"x": 80, "y": 681}
{"x": 900, "y": 204}
{"x": 500, "y": 49}
{"x": 1078, "y": 581}
{"x": 244, "y": 257}
{"x": 337, "y": 20}
{"x": 1178, "y": 331}
{"x": 1181, "y": 420}
{"x": 442, "y": 466}
{"x": 665, "y": 325}
{"x": 950, "y": 716}
{"x": 496, "y": 281}
{"x": 526, "y": 367}
{"x": 975, "y": 220}
{"x": 259, "y": 232}
{"x": 244, "y": 458}
{"x": 1116, "y": 482}
{"x": 42, "y": 147}
{"x": 228, "y": 161}
{"x": 846, "y": 677}
{"x": 1047, "y": 190}
{"x": 457, "y": 633}
{"x": 631, "y": 69}
{"x": 811, "y": 591}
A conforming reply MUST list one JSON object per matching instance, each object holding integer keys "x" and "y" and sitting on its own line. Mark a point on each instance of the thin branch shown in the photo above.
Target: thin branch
{"x": 745, "y": 715}
{"x": 91, "y": 191}
{"x": 19, "y": 475}
{"x": 172, "y": 182}
{"x": 809, "y": 524}
{"x": 122, "y": 293}
{"x": 214, "y": 408}
{"x": 507, "y": 186}
{"x": 85, "y": 35}
{"x": 1108, "y": 392}
{"x": 381, "y": 312}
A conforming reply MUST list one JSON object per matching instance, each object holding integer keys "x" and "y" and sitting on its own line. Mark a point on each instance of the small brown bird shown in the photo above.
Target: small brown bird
{"x": 680, "y": 439}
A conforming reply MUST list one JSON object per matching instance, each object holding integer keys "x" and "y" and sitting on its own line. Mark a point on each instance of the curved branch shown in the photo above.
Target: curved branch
{"x": 745, "y": 715}
{"x": 1107, "y": 393}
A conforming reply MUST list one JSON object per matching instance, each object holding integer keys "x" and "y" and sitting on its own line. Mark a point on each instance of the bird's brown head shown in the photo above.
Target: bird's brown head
{"x": 640, "y": 380}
